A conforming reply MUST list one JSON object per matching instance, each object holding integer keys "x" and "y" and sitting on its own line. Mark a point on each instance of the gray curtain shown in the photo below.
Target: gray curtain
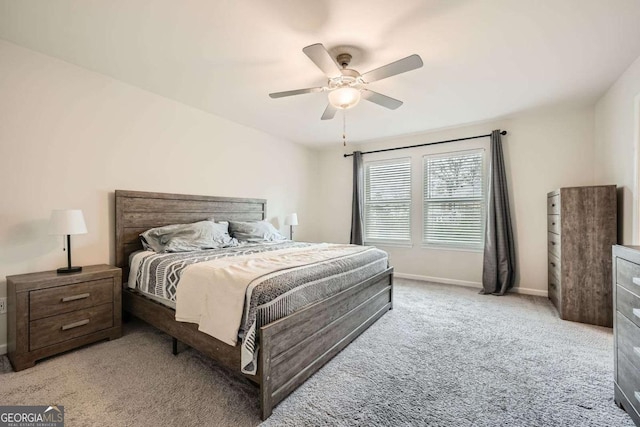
{"x": 499, "y": 267}
{"x": 357, "y": 223}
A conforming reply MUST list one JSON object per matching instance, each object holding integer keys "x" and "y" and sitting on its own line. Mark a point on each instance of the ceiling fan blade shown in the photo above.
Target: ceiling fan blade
{"x": 380, "y": 99}
{"x": 319, "y": 55}
{"x": 400, "y": 66}
{"x": 296, "y": 92}
{"x": 329, "y": 112}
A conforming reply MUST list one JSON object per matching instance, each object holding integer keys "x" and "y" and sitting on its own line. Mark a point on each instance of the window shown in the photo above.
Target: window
{"x": 454, "y": 200}
{"x": 387, "y": 201}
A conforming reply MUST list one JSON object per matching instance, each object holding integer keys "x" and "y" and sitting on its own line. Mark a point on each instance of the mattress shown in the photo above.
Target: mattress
{"x": 232, "y": 292}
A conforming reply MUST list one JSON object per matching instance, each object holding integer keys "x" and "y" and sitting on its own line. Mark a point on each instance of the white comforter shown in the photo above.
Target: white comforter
{"x": 212, "y": 294}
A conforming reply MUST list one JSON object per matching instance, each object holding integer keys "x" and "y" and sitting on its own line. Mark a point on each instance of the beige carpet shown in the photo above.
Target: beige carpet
{"x": 433, "y": 360}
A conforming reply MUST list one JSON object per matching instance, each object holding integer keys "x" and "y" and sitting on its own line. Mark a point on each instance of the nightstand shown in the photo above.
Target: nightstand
{"x": 49, "y": 313}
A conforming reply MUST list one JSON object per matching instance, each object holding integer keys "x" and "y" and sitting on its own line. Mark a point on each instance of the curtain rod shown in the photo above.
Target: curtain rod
{"x": 504, "y": 132}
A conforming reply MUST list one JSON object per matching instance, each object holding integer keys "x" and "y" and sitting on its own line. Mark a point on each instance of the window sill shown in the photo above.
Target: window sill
{"x": 452, "y": 248}
{"x": 390, "y": 244}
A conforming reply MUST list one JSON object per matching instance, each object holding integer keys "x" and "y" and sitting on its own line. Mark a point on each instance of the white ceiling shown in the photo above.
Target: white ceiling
{"x": 482, "y": 58}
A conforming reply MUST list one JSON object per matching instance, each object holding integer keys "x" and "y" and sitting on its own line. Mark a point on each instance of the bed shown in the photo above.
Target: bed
{"x": 292, "y": 348}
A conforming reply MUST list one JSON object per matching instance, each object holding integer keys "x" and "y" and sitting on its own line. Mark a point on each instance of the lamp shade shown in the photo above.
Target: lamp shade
{"x": 291, "y": 219}
{"x": 344, "y": 97}
{"x": 67, "y": 221}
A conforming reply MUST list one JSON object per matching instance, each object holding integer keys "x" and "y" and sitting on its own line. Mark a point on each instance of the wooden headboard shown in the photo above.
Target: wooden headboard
{"x": 138, "y": 211}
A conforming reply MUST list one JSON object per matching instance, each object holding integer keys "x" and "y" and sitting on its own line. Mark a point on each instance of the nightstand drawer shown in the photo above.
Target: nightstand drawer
{"x": 554, "y": 266}
{"x": 64, "y": 299}
{"x": 628, "y": 304}
{"x": 554, "y": 288}
{"x": 553, "y": 205}
{"x": 52, "y": 330}
{"x": 553, "y": 243}
{"x": 628, "y": 339}
{"x": 553, "y": 224}
{"x": 629, "y": 380}
{"x": 628, "y": 275}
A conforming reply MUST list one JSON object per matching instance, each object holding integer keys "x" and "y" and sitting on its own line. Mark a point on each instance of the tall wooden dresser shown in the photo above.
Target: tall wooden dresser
{"x": 581, "y": 228}
{"x": 626, "y": 329}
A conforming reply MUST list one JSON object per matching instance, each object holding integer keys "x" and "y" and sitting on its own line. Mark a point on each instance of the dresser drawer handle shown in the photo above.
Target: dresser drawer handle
{"x": 637, "y": 395}
{"x": 553, "y": 223}
{"x": 75, "y": 297}
{"x": 553, "y": 205}
{"x": 553, "y": 264}
{"x": 553, "y": 243}
{"x": 636, "y": 281}
{"x": 75, "y": 324}
{"x": 553, "y": 285}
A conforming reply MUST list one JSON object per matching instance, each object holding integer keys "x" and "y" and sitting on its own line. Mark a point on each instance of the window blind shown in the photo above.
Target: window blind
{"x": 454, "y": 199}
{"x": 387, "y": 204}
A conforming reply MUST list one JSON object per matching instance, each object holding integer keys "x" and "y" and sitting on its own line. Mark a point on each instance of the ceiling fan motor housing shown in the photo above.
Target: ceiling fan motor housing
{"x": 344, "y": 59}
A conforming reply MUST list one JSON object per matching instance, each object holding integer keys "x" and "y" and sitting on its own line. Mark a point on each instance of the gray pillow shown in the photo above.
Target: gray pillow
{"x": 255, "y": 231}
{"x": 188, "y": 237}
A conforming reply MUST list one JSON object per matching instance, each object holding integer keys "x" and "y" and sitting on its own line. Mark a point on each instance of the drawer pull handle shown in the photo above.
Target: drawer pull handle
{"x": 75, "y": 297}
{"x": 75, "y": 324}
{"x": 553, "y": 243}
{"x": 637, "y": 395}
{"x": 553, "y": 223}
{"x": 636, "y": 312}
{"x": 553, "y": 205}
{"x": 553, "y": 264}
{"x": 636, "y": 281}
{"x": 553, "y": 285}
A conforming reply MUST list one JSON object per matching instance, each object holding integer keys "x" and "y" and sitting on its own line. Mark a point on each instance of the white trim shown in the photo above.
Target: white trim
{"x": 635, "y": 230}
{"x": 468, "y": 284}
{"x": 3, "y": 349}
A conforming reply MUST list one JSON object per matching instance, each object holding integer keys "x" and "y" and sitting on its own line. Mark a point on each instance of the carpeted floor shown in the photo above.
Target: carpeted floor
{"x": 445, "y": 356}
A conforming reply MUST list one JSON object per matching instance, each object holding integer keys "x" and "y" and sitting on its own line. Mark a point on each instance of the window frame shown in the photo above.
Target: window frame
{"x": 409, "y": 203}
{"x": 456, "y": 246}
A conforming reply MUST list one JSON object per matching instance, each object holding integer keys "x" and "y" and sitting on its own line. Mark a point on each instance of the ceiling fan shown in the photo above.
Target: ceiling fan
{"x": 346, "y": 86}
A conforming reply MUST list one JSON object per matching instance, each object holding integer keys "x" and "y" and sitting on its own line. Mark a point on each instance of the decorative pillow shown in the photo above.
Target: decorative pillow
{"x": 256, "y": 231}
{"x": 187, "y": 237}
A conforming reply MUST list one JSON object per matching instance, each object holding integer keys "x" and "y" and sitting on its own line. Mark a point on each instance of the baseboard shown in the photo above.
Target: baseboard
{"x": 3, "y": 349}
{"x": 468, "y": 284}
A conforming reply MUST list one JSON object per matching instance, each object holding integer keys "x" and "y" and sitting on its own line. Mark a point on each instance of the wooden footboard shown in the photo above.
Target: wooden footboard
{"x": 295, "y": 347}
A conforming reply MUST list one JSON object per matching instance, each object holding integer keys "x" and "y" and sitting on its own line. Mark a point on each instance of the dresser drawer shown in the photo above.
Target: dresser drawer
{"x": 628, "y": 304}
{"x": 553, "y": 204}
{"x": 554, "y": 266}
{"x": 628, "y": 339}
{"x": 553, "y": 223}
{"x": 628, "y": 275}
{"x": 629, "y": 380}
{"x": 553, "y": 243}
{"x": 64, "y": 299}
{"x": 55, "y": 329}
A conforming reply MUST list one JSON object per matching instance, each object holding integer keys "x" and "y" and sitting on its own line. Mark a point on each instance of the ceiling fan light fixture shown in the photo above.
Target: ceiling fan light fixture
{"x": 344, "y": 97}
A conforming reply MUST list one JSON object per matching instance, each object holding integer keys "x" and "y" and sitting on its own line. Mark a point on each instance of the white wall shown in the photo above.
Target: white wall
{"x": 69, "y": 137}
{"x": 617, "y": 123}
{"x": 543, "y": 151}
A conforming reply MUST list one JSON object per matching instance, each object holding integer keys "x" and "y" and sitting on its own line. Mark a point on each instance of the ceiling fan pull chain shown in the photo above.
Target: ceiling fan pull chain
{"x": 344, "y": 128}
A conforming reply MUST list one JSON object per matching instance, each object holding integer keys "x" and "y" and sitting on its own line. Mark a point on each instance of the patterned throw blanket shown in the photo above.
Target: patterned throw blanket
{"x": 272, "y": 295}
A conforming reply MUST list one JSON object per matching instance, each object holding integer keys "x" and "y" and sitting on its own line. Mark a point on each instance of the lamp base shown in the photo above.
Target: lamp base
{"x": 67, "y": 270}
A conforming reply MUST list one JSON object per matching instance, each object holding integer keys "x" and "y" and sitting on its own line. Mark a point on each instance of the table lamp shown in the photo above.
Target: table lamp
{"x": 291, "y": 220}
{"x": 67, "y": 222}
